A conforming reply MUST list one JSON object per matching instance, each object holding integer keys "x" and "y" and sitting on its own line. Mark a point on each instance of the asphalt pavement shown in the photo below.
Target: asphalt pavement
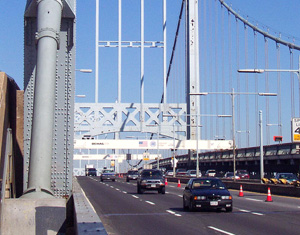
{"x": 123, "y": 211}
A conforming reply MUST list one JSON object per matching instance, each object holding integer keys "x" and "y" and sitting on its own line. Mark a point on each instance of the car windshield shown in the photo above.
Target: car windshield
{"x": 192, "y": 172}
{"x": 107, "y": 171}
{"x": 207, "y": 184}
{"x": 151, "y": 174}
{"x": 132, "y": 172}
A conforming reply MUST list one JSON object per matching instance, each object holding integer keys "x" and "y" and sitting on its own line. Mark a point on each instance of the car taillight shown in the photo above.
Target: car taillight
{"x": 199, "y": 197}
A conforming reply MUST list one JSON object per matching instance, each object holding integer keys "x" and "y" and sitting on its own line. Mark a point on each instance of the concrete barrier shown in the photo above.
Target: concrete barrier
{"x": 86, "y": 220}
{"x": 252, "y": 186}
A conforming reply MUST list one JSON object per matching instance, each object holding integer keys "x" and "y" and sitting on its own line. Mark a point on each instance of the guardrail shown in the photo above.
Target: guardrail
{"x": 86, "y": 220}
{"x": 252, "y": 186}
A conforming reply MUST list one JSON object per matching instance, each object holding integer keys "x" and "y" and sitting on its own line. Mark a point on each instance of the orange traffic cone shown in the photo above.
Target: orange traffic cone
{"x": 241, "y": 194}
{"x": 269, "y": 197}
{"x": 178, "y": 185}
{"x": 166, "y": 182}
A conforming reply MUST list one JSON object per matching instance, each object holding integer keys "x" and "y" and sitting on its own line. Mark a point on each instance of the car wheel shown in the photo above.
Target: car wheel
{"x": 101, "y": 180}
{"x": 127, "y": 180}
{"x": 229, "y": 209}
{"x": 140, "y": 191}
{"x": 191, "y": 206}
{"x": 113, "y": 180}
{"x": 163, "y": 190}
{"x": 184, "y": 206}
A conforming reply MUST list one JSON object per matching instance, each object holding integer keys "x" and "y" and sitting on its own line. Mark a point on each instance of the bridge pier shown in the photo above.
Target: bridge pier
{"x": 33, "y": 216}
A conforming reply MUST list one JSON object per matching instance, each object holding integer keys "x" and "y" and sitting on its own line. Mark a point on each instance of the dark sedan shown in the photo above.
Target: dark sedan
{"x": 206, "y": 193}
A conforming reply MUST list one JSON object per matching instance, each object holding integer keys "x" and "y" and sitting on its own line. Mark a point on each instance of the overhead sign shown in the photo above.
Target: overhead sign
{"x": 152, "y": 144}
{"x": 296, "y": 129}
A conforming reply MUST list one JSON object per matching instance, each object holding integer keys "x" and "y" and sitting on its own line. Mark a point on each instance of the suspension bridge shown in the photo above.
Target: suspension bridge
{"x": 220, "y": 86}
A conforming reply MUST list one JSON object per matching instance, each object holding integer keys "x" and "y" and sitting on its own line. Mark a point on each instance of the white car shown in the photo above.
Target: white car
{"x": 193, "y": 173}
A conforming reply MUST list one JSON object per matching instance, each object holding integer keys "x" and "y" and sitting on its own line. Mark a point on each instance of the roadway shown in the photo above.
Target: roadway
{"x": 123, "y": 211}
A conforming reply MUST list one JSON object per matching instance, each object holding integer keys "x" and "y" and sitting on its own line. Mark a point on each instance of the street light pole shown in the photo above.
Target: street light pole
{"x": 233, "y": 94}
{"x": 296, "y": 71}
{"x": 261, "y": 146}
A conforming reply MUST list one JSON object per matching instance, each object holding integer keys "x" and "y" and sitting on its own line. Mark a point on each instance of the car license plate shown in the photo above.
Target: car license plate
{"x": 153, "y": 185}
{"x": 213, "y": 203}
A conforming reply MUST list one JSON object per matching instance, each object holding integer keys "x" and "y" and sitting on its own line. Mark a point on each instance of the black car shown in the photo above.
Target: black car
{"x": 132, "y": 175}
{"x": 206, "y": 193}
{"x": 150, "y": 179}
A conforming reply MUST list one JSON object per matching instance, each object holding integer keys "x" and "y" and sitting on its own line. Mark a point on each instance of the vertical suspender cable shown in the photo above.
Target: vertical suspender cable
{"x": 238, "y": 75}
{"x": 267, "y": 89}
{"x": 223, "y": 72}
{"x": 279, "y": 90}
{"x": 229, "y": 51}
{"x": 247, "y": 84}
{"x": 292, "y": 84}
{"x": 256, "y": 89}
{"x": 205, "y": 67}
{"x": 210, "y": 68}
{"x": 216, "y": 67}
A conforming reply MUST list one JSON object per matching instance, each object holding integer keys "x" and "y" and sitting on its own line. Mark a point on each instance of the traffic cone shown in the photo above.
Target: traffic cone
{"x": 166, "y": 182}
{"x": 178, "y": 185}
{"x": 269, "y": 197}
{"x": 241, "y": 194}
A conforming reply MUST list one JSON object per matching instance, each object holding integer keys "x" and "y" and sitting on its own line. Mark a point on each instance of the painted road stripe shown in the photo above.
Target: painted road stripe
{"x": 252, "y": 199}
{"x": 117, "y": 189}
{"x": 179, "y": 195}
{"x": 152, "y": 203}
{"x": 254, "y": 213}
{"x": 173, "y": 213}
{"x": 135, "y": 196}
{"x": 124, "y": 192}
{"x": 220, "y": 230}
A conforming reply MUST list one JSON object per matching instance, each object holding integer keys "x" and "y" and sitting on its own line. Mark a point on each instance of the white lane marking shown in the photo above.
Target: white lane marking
{"x": 179, "y": 195}
{"x": 167, "y": 192}
{"x": 124, "y": 192}
{"x": 152, "y": 203}
{"x": 172, "y": 186}
{"x": 254, "y": 213}
{"x": 112, "y": 186}
{"x": 220, "y": 230}
{"x": 252, "y": 199}
{"x": 244, "y": 210}
{"x": 173, "y": 213}
{"x": 135, "y": 196}
{"x": 298, "y": 206}
{"x": 117, "y": 189}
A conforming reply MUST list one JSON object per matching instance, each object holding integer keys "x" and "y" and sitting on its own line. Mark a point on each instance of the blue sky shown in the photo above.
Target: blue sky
{"x": 278, "y": 15}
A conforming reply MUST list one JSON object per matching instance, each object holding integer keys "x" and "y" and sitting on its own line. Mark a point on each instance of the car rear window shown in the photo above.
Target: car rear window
{"x": 151, "y": 173}
{"x": 207, "y": 183}
{"x": 132, "y": 172}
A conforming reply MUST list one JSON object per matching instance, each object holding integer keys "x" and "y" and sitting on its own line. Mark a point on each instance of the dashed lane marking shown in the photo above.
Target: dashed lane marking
{"x": 220, "y": 230}
{"x": 252, "y": 199}
{"x": 173, "y": 213}
{"x": 152, "y": 203}
{"x": 135, "y": 196}
{"x": 254, "y": 213}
